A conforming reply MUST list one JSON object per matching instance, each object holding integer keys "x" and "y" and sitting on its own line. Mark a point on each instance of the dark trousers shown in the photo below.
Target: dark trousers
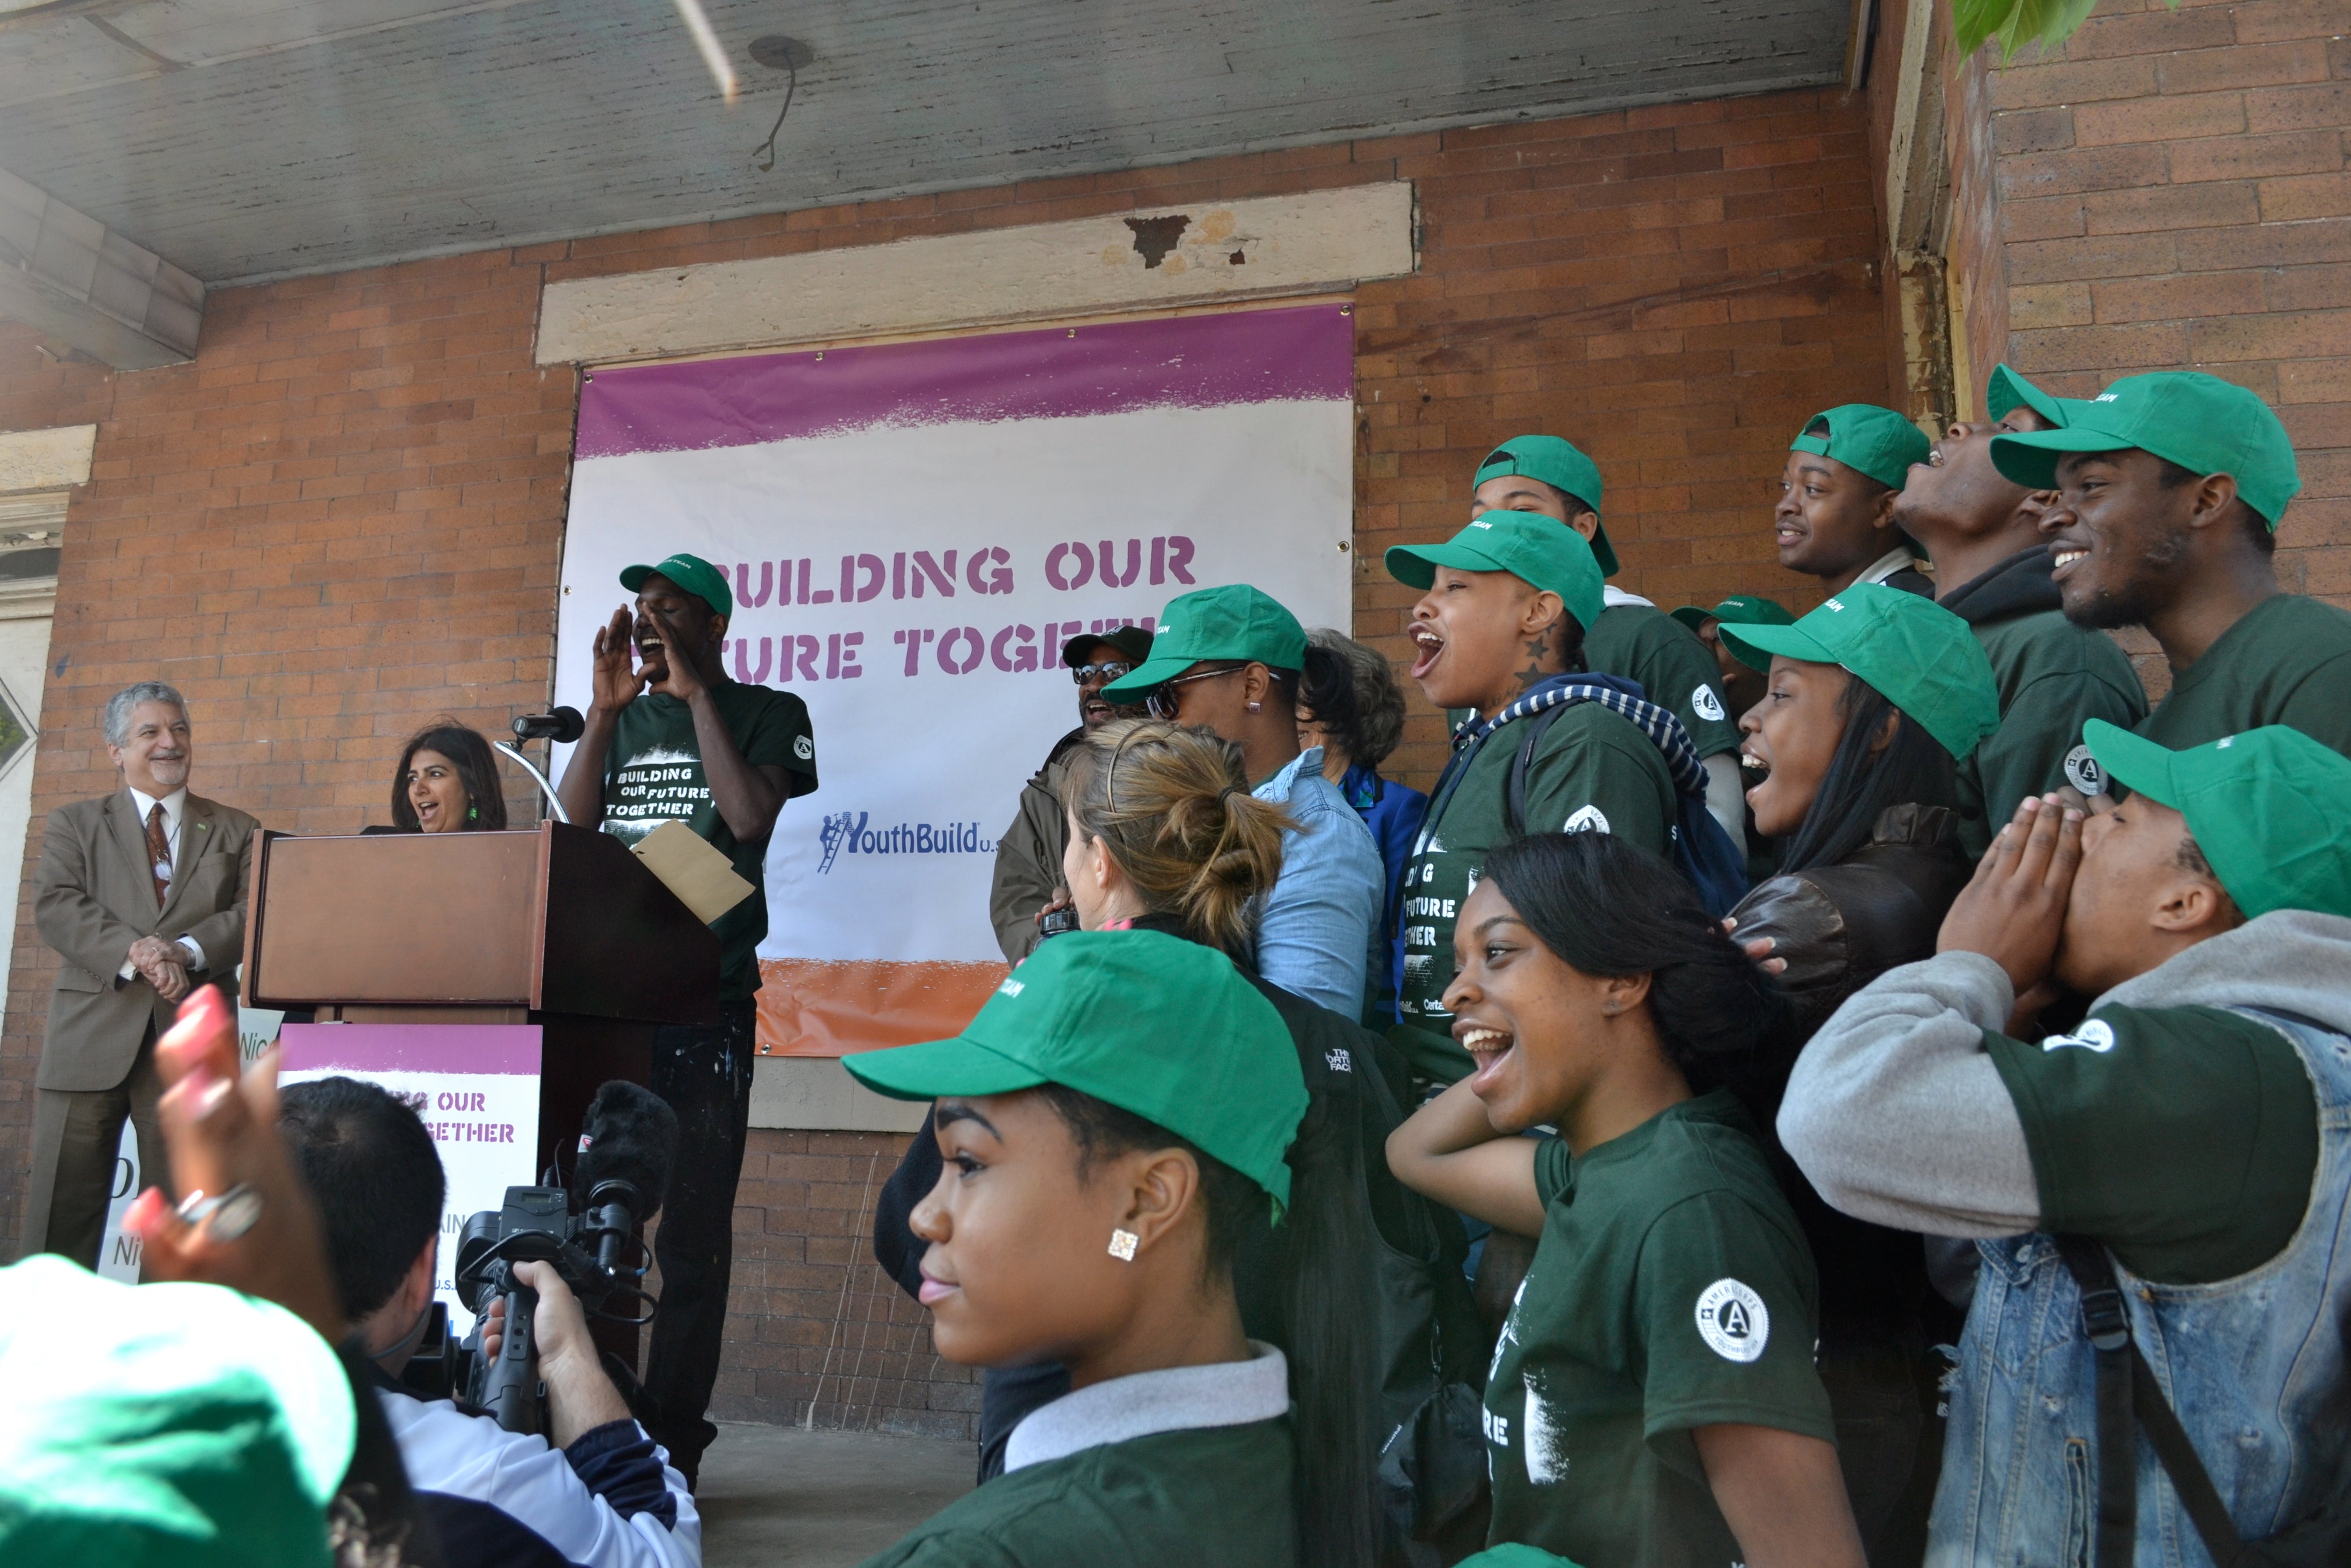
{"x": 706, "y": 1076}
{"x": 77, "y": 1133}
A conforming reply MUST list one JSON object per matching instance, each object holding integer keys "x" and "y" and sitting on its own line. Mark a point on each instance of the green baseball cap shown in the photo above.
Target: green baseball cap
{"x": 1740, "y": 609}
{"x": 691, "y": 573}
{"x": 1233, "y": 622}
{"x": 1877, "y": 441}
{"x": 2007, "y": 390}
{"x": 2266, "y": 806}
{"x": 163, "y": 1423}
{"x": 1516, "y": 1554}
{"x": 1157, "y": 1026}
{"x": 1919, "y": 656}
{"x": 1564, "y": 468}
{"x": 2199, "y": 421}
{"x": 1529, "y": 546}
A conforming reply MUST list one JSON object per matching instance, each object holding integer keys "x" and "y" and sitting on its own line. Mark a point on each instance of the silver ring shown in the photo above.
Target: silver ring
{"x": 228, "y": 1217}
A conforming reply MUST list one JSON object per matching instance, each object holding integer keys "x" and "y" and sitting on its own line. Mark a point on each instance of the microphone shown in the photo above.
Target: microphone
{"x": 564, "y": 724}
{"x": 628, "y": 1143}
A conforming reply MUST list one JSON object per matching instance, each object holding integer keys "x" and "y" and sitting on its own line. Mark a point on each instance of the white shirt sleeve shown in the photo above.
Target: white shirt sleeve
{"x": 472, "y": 1457}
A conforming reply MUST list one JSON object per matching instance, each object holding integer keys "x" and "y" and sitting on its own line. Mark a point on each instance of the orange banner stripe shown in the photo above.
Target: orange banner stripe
{"x": 811, "y": 1007}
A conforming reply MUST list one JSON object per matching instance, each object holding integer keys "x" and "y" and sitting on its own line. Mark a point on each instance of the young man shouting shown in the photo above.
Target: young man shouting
{"x": 1631, "y": 636}
{"x": 2170, "y": 488}
{"x": 2190, "y": 1135}
{"x": 1993, "y": 567}
{"x": 671, "y": 738}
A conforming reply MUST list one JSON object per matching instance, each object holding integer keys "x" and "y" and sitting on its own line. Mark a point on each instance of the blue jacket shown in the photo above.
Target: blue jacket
{"x": 1393, "y": 812}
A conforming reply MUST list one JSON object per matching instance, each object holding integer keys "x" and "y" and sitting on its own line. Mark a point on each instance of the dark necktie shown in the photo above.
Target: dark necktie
{"x": 159, "y": 853}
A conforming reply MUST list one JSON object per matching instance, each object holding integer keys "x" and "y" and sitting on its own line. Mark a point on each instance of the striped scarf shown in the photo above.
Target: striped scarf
{"x": 1622, "y": 698}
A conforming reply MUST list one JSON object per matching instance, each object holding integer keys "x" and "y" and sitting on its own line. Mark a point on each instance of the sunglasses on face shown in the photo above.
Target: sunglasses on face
{"x": 1165, "y": 701}
{"x": 1112, "y": 671}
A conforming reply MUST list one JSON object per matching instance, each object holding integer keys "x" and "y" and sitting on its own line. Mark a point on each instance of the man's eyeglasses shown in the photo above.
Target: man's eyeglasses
{"x": 1085, "y": 672}
{"x": 1165, "y": 701}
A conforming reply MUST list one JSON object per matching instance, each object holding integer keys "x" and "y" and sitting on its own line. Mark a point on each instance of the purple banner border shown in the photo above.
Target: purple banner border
{"x": 1291, "y": 354}
{"x": 502, "y": 1048}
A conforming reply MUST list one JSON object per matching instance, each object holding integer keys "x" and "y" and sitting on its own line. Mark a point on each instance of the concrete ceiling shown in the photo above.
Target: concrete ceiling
{"x": 243, "y": 139}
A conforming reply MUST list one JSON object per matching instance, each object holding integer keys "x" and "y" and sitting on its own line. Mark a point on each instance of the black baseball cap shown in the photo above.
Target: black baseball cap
{"x": 1132, "y": 640}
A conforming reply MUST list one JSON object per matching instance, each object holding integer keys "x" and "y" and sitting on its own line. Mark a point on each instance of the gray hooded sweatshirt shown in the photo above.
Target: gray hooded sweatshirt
{"x": 1897, "y": 1115}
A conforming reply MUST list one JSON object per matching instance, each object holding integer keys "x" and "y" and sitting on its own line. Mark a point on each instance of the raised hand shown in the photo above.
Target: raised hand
{"x": 220, "y": 1128}
{"x": 2014, "y": 910}
{"x": 617, "y": 681}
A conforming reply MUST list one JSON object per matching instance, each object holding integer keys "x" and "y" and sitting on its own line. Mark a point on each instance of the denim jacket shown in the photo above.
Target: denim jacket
{"x": 2254, "y": 1366}
{"x": 1318, "y": 929}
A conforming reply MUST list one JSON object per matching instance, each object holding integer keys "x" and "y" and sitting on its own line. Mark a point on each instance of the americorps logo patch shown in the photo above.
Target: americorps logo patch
{"x": 1591, "y": 819}
{"x": 803, "y": 748}
{"x": 2098, "y": 1035}
{"x": 1706, "y": 704}
{"x": 2082, "y": 771}
{"x": 1733, "y": 1321}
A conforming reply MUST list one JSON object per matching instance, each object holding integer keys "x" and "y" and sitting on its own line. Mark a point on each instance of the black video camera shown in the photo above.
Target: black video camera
{"x": 627, "y": 1146}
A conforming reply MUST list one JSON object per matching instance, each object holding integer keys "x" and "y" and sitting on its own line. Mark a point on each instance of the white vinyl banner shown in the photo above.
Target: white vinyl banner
{"x": 475, "y": 1086}
{"x": 912, "y": 531}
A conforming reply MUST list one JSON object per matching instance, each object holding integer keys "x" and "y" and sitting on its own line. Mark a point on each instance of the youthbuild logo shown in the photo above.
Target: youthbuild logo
{"x": 852, "y": 832}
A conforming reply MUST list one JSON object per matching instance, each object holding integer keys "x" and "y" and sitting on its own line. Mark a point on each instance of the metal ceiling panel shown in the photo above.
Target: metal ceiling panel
{"x": 250, "y": 139}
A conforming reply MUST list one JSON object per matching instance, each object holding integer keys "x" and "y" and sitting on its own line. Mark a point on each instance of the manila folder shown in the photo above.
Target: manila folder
{"x": 704, "y": 880}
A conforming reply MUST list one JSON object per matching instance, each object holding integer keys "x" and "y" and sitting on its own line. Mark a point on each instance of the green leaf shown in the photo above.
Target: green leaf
{"x": 2016, "y": 22}
{"x": 1975, "y": 20}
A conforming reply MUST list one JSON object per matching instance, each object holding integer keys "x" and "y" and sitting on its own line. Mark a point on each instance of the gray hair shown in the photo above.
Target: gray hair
{"x": 1379, "y": 697}
{"x": 119, "y": 706}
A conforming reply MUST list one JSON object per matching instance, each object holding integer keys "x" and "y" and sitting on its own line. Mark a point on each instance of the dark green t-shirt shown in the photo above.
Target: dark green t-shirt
{"x": 1643, "y": 643}
{"x": 2185, "y": 1139}
{"x": 2287, "y": 661}
{"x": 1671, "y": 1290}
{"x": 1213, "y": 1495}
{"x": 2052, "y": 677}
{"x": 1594, "y": 772}
{"x": 654, "y": 775}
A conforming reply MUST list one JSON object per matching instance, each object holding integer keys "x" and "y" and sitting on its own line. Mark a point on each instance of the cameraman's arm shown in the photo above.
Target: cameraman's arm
{"x": 580, "y": 1397}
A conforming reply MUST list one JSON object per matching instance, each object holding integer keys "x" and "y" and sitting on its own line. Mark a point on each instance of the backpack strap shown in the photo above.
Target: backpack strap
{"x": 1514, "y": 787}
{"x": 2126, "y": 1389}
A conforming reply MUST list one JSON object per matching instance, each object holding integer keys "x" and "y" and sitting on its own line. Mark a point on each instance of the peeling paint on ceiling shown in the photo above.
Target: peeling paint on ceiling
{"x": 251, "y": 139}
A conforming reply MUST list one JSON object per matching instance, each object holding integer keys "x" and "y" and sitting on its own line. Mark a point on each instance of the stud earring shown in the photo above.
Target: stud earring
{"x": 1121, "y": 1245}
{"x": 1253, "y": 707}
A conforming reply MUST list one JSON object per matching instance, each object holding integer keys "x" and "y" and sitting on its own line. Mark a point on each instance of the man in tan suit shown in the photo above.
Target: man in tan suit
{"x": 143, "y": 894}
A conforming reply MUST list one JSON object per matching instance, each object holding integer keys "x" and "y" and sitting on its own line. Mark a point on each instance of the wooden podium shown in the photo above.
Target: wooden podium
{"x": 561, "y": 927}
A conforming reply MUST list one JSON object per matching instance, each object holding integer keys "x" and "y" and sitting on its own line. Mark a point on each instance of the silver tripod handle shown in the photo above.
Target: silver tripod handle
{"x": 554, "y": 803}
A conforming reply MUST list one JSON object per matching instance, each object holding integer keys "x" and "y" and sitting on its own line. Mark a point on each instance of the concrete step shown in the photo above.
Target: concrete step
{"x": 781, "y": 1497}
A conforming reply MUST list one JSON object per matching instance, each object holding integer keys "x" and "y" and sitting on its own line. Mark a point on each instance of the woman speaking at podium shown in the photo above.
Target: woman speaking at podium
{"x": 447, "y": 781}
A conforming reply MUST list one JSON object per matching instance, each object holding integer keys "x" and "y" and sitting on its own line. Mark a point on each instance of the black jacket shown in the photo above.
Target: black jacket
{"x": 2018, "y": 586}
{"x": 1840, "y": 927}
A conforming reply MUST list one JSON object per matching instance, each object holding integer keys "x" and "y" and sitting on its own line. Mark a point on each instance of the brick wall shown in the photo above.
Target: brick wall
{"x": 816, "y": 1333}
{"x": 2171, "y": 191}
{"x": 1675, "y": 289}
{"x": 346, "y": 515}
